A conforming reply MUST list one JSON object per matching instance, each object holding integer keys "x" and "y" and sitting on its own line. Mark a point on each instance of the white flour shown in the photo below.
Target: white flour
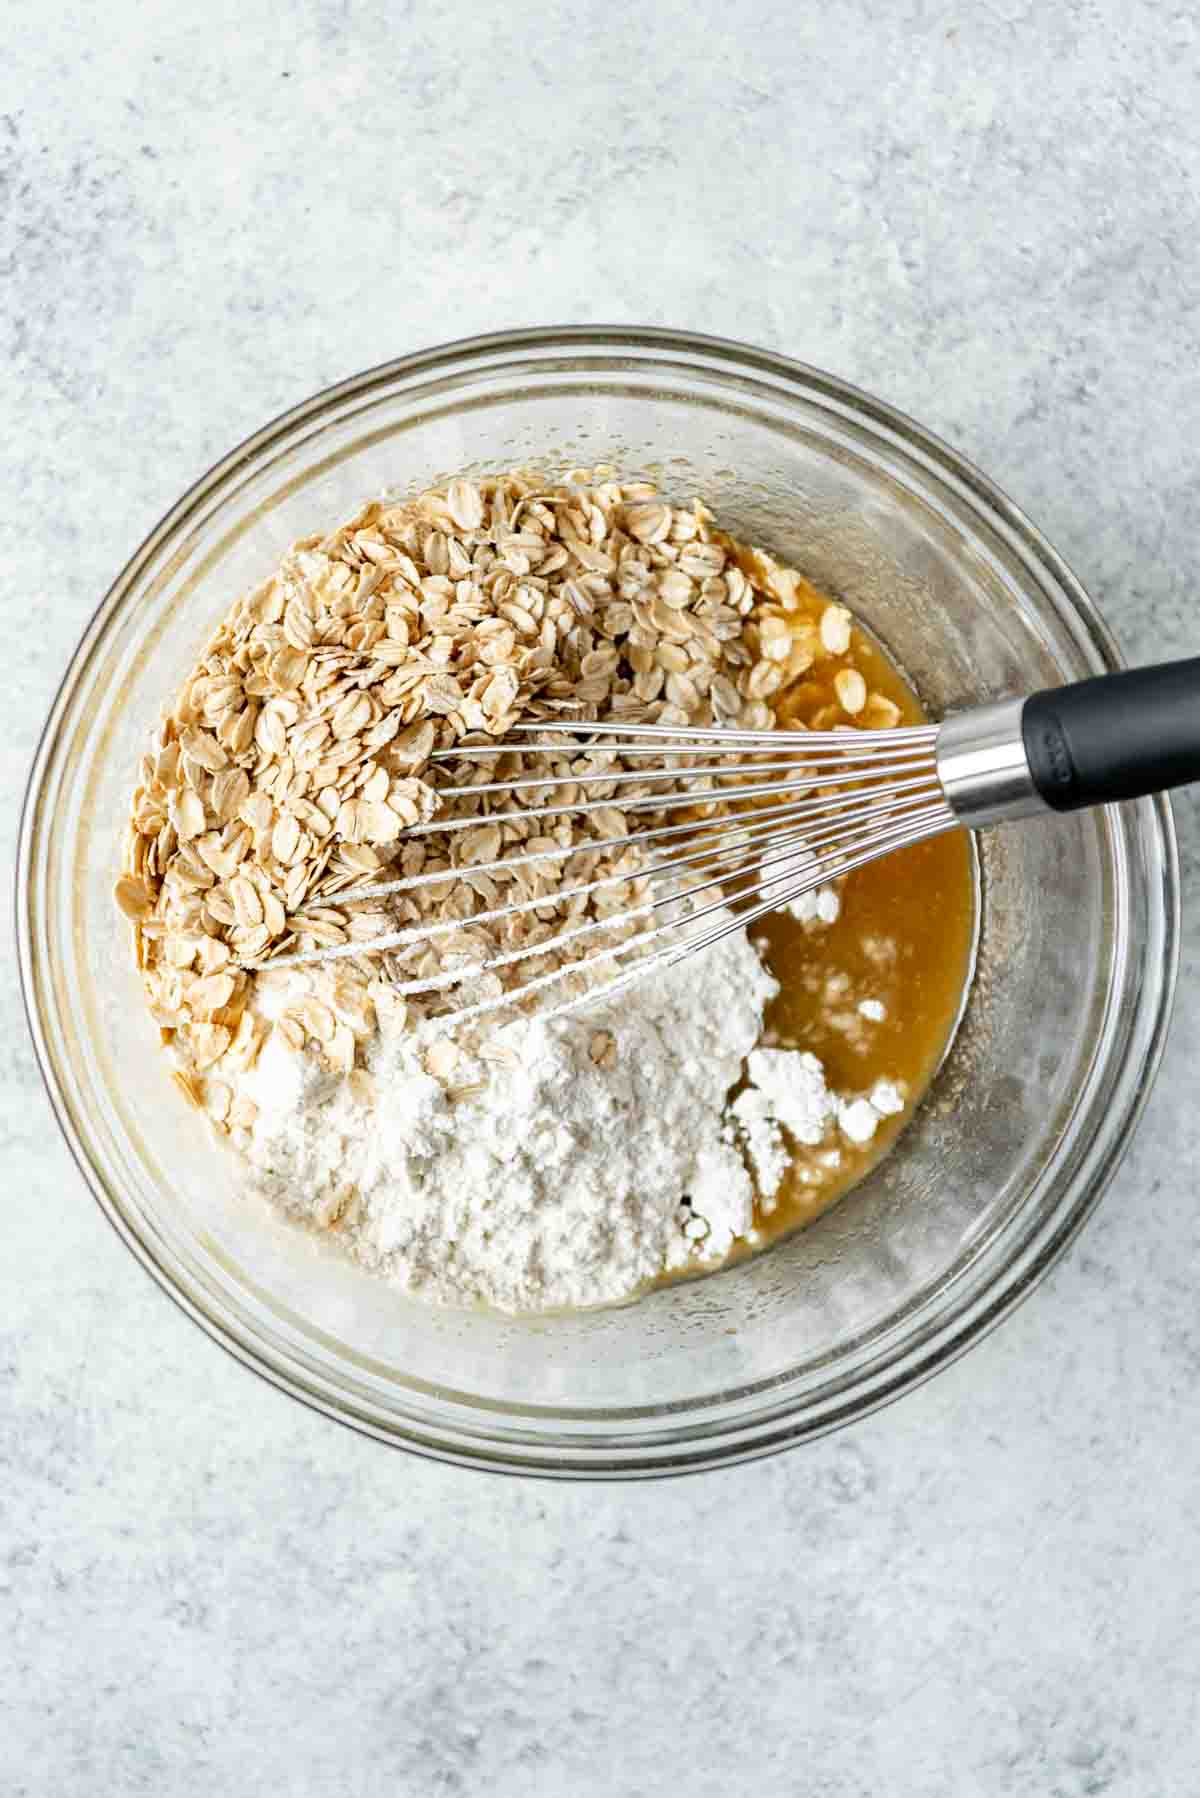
{"x": 558, "y": 1182}
{"x": 562, "y": 1183}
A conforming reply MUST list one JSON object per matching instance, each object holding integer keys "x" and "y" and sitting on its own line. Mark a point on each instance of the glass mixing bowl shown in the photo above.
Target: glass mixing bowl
{"x": 1025, "y": 1122}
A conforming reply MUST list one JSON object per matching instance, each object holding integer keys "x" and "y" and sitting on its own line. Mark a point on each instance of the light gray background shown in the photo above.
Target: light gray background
{"x": 986, "y": 213}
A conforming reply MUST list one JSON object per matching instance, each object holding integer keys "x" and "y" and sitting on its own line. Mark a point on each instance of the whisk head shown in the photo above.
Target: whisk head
{"x": 739, "y": 823}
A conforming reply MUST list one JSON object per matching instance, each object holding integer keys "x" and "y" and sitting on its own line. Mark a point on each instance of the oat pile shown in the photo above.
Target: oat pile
{"x": 296, "y": 757}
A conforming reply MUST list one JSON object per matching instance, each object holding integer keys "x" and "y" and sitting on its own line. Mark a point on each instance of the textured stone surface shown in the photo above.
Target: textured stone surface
{"x": 986, "y": 213}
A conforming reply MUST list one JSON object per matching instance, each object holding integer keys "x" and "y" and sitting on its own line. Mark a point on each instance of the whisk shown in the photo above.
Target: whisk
{"x": 764, "y": 818}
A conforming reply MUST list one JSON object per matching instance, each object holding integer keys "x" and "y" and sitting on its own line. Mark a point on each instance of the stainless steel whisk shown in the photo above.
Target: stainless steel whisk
{"x": 776, "y": 814}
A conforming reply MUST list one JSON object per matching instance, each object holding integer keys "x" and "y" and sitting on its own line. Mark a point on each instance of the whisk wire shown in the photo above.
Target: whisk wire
{"x": 599, "y": 776}
{"x": 730, "y": 735}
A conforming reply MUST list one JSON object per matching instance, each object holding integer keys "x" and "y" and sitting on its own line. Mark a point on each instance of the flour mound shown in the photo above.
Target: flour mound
{"x": 558, "y": 1183}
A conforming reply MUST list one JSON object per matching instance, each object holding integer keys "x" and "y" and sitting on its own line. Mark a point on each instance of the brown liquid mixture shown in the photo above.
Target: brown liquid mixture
{"x": 904, "y": 937}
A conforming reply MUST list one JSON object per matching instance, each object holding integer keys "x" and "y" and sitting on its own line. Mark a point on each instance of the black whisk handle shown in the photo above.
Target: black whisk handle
{"x": 1116, "y": 737}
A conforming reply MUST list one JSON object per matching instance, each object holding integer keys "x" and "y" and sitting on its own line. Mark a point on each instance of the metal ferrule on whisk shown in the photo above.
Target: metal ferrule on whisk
{"x": 983, "y": 765}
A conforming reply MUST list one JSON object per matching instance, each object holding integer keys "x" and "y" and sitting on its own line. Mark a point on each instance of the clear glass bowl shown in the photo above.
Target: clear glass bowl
{"x": 1025, "y": 1122}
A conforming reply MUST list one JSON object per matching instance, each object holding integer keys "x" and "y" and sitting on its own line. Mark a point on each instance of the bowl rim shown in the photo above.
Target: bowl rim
{"x": 770, "y": 1427}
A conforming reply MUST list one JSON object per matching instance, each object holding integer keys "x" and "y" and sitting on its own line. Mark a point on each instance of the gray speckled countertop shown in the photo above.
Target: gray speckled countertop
{"x": 986, "y": 213}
